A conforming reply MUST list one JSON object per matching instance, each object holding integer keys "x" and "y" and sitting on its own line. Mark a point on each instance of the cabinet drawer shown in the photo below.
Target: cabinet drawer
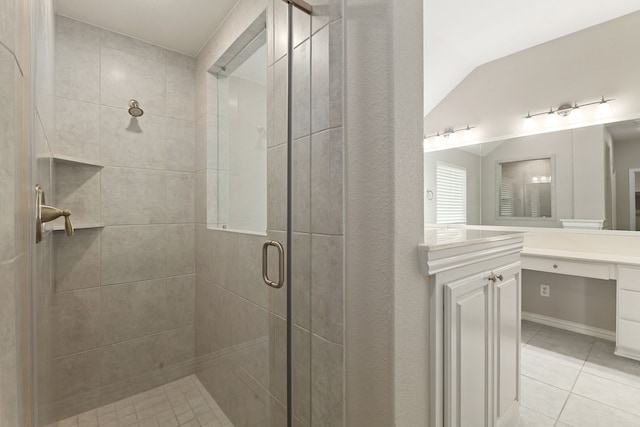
{"x": 629, "y": 305}
{"x": 629, "y": 278}
{"x": 629, "y": 334}
{"x": 561, "y": 266}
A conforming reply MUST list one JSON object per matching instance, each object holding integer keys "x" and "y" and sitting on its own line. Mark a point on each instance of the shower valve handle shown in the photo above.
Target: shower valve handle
{"x": 45, "y": 213}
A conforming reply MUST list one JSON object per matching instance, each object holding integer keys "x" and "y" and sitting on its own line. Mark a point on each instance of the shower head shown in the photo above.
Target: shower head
{"x": 134, "y": 108}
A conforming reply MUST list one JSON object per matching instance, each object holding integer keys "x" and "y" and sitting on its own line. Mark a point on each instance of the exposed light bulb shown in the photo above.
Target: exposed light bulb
{"x": 468, "y": 134}
{"x": 604, "y": 109}
{"x": 576, "y": 114}
{"x": 452, "y": 137}
{"x": 552, "y": 118}
{"x": 528, "y": 124}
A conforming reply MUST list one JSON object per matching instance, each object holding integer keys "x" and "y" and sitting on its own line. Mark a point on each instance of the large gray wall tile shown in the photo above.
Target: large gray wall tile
{"x": 130, "y": 360}
{"x": 77, "y": 260}
{"x": 132, "y": 46}
{"x": 180, "y": 197}
{"x": 78, "y": 189}
{"x": 327, "y": 182}
{"x": 75, "y": 377}
{"x": 302, "y": 185}
{"x": 302, "y": 90}
{"x": 125, "y": 76}
{"x": 78, "y": 72}
{"x": 132, "y": 310}
{"x": 75, "y": 33}
{"x": 133, "y": 196}
{"x": 180, "y": 92}
{"x": 180, "y": 249}
{"x": 327, "y": 370}
{"x": 75, "y": 319}
{"x": 327, "y": 294}
{"x": 326, "y": 81}
{"x": 77, "y": 129}
{"x": 180, "y": 301}
{"x": 132, "y": 253}
{"x": 180, "y": 145}
{"x": 127, "y": 141}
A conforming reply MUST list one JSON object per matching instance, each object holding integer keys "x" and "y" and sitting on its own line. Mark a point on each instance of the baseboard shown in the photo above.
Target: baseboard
{"x": 570, "y": 326}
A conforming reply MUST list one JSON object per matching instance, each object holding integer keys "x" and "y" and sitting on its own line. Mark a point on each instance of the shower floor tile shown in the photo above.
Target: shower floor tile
{"x": 184, "y": 402}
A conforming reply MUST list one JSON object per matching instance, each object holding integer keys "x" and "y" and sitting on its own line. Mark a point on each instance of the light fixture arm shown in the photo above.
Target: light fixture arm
{"x": 565, "y": 109}
{"x": 447, "y": 132}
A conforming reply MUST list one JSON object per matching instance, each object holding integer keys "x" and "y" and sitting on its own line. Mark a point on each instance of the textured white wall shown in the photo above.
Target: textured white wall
{"x": 386, "y": 298}
{"x": 579, "y": 67}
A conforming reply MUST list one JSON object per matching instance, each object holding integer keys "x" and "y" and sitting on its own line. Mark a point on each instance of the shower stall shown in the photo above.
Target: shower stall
{"x": 188, "y": 263}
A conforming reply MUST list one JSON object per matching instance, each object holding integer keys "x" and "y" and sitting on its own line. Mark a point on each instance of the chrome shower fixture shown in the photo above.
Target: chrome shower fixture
{"x": 134, "y": 108}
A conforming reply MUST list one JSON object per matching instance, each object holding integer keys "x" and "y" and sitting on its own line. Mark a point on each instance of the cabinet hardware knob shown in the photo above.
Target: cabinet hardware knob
{"x": 555, "y": 265}
{"x": 495, "y": 278}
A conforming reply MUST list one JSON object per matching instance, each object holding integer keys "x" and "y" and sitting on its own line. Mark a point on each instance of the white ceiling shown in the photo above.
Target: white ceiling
{"x": 460, "y": 35}
{"x": 183, "y": 26}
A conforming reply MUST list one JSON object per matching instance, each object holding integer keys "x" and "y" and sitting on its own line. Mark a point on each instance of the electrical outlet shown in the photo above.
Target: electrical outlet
{"x": 544, "y": 290}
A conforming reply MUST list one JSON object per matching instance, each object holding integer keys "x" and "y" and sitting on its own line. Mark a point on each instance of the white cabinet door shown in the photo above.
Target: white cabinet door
{"x": 507, "y": 348}
{"x": 467, "y": 355}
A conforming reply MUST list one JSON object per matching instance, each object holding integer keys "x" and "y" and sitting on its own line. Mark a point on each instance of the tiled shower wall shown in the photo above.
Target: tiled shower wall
{"x": 14, "y": 234}
{"x": 122, "y": 307}
{"x": 240, "y": 322}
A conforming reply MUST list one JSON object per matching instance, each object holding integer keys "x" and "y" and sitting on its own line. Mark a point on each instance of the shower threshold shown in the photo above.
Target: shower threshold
{"x": 184, "y": 402}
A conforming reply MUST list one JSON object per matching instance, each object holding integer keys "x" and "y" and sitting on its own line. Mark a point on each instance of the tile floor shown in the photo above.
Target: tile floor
{"x": 570, "y": 379}
{"x": 184, "y": 402}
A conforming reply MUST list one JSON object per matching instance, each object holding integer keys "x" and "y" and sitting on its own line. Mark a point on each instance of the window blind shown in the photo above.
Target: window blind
{"x": 451, "y": 194}
{"x": 506, "y": 197}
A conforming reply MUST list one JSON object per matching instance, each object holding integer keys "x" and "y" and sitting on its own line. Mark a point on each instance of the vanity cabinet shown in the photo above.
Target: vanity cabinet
{"x": 628, "y": 318}
{"x": 475, "y": 291}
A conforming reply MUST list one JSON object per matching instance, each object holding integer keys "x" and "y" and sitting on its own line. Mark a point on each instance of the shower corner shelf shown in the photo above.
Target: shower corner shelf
{"x": 76, "y": 160}
{"x": 60, "y": 227}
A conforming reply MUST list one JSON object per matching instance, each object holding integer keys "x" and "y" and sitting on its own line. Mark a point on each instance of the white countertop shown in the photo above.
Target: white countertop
{"x": 582, "y": 256}
{"x": 444, "y": 238}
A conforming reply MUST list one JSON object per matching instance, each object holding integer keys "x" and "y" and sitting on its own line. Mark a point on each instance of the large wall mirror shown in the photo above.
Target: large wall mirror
{"x": 578, "y": 168}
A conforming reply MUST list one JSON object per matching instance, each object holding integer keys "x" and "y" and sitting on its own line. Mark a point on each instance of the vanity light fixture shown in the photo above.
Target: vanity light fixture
{"x": 574, "y": 110}
{"x": 450, "y": 134}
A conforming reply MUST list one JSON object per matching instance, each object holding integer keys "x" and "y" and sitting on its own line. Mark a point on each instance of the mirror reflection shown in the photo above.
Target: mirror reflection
{"x": 525, "y": 188}
{"x": 579, "y": 178}
{"x": 572, "y": 164}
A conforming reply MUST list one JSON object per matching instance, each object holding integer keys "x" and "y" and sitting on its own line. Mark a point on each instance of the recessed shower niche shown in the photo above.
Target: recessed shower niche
{"x": 237, "y": 136}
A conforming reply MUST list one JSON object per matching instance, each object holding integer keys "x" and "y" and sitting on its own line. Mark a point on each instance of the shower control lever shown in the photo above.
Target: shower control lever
{"x": 46, "y": 213}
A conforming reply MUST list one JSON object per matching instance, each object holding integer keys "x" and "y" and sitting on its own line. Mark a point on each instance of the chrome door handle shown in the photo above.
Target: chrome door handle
{"x": 265, "y": 264}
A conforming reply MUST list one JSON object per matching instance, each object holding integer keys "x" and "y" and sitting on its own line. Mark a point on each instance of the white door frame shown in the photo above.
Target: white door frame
{"x": 632, "y": 198}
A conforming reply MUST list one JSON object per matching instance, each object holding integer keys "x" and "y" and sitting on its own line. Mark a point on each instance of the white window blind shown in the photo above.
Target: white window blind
{"x": 451, "y": 188}
{"x": 506, "y": 197}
